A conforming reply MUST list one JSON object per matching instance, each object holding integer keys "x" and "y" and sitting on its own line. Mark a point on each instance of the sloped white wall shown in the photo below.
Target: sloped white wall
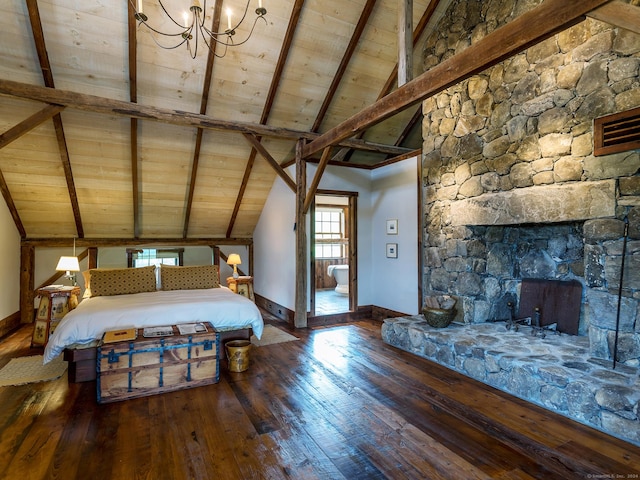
{"x": 274, "y": 236}
{"x": 274, "y": 246}
{"x": 9, "y": 264}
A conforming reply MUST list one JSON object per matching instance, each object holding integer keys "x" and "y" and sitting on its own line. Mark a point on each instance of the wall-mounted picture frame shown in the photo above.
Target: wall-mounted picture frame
{"x": 392, "y": 227}
{"x": 392, "y": 250}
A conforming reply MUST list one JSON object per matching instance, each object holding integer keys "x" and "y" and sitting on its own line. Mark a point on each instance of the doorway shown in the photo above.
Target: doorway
{"x": 333, "y": 253}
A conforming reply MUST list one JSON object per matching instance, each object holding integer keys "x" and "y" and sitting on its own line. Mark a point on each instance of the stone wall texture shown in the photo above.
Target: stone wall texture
{"x": 512, "y": 147}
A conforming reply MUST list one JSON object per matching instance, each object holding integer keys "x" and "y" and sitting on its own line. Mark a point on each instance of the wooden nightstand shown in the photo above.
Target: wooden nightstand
{"x": 55, "y": 303}
{"x": 242, "y": 285}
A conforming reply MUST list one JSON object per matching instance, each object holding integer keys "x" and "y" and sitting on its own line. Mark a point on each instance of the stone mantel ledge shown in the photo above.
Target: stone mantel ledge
{"x": 555, "y": 372}
{"x": 538, "y": 204}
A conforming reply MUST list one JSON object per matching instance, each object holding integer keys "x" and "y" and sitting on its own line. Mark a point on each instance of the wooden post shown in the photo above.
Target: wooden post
{"x": 92, "y": 261}
{"x": 300, "y": 319}
{"x": 27, "y": 268}
{"x": 405, "y": 41}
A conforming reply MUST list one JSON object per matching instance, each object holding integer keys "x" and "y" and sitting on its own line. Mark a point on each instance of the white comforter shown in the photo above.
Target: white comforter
{"x": 93, "y": 316}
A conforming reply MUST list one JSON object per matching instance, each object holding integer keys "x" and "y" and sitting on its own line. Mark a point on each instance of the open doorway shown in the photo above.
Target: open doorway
{"x": 333, "y": 253}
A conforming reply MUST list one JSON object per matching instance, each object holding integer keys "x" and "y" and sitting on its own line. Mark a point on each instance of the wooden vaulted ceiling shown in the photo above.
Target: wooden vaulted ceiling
{"x": 105, "y": 135}
{"x": 67, "y": 172}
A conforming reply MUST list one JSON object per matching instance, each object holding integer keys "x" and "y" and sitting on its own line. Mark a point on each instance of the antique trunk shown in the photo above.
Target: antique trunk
{"x": 150, "y": 365}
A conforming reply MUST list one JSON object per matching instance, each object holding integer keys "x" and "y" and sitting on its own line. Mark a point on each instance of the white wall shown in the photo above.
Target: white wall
{"x": 274, "y": 237}
{"x": 395, "y": 196}
{"x": 274, "y": 247}
{"x": 9, "y": 264}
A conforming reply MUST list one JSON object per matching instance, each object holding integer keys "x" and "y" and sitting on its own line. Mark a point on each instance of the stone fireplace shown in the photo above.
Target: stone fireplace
{"x": 558, "y": 232}
{"x": 512, "y": 190}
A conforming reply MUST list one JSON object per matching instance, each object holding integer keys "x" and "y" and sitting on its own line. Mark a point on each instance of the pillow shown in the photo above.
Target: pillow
{"x": 189, "y": 278}
{"x": 122, "y": 281}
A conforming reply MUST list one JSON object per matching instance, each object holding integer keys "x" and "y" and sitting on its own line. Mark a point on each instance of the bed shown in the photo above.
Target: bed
{"x": 133, "y": 297}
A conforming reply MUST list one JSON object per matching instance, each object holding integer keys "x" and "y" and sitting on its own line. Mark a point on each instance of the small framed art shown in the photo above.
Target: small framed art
{"x": 392, "y": 227}
{"x": 392, "y": 250}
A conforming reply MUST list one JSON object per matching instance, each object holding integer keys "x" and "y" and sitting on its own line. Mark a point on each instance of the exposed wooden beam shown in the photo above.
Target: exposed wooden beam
{"x": 326, "y": 156}
{"x": 130, "y": 242}
{"x": 133, "y": 97}
{"x": 528, "y": 29}
{"x": 6, "y": 194}
{"x": 345, "y": 153}
{"x": 619, "y": 14}
{"x": 417, "y": 116}
{"x": 29, "y": 124}
{"x": 243, "y": 187}
{"x": 27, "y": 270}
{"x": 204, "y": 101}
{"x": 45, "y": 66}
{"x": 344, "y": 63}
{"x": 268, "y": 105}
{"x": 267, "y": 156}
{"x": 405, "y": 45}
{"x": 302, "y": 258}
{"x": 93, "y": 103}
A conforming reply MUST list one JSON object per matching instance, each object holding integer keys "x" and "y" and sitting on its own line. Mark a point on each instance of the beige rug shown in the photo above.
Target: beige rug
{"x": 23, "y": 370}
{"x": 272, "y": 335}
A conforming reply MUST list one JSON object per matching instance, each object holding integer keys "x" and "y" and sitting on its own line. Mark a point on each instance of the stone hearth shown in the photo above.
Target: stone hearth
{"x": 556, "y": 372}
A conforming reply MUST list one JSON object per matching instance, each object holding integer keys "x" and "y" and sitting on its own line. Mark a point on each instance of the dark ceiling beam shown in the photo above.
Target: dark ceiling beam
{"x": 255, "y": 143}
{"x": 345, "y": 153}
{"x": 324, "y": 161}
{"x": 206, "y": 88}
{"x": 619, "y": 14}
{"x": 29, "y": 124}
{"x": 342, "y": 68}
{"x": 13, "y": 134}
{"x": 268, "y": 105}
{"x": 93, "y": 103}
{"x": 133, "y": 97}
{"x": 134, "y": 242}
{"x": 538, "y": 24}
{"x": 47, "y": 74}
{"x": 6, "y": 194}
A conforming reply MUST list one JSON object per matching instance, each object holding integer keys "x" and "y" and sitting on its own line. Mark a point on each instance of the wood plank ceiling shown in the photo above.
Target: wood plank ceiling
{"x": 105, "y": 135}
{"x": 87, "y": 172}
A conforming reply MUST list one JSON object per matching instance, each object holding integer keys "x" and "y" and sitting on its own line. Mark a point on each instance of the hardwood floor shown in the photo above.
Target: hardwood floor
{"x": 338, "y": 404}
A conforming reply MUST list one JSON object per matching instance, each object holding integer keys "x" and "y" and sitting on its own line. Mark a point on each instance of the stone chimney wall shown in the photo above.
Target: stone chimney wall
{"x": 511, "y": 188}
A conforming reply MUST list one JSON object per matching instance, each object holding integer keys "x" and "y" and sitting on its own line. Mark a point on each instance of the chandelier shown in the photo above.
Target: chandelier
{"x": 192, "y": 30}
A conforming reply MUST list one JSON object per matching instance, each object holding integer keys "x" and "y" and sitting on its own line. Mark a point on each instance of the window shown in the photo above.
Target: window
{"x": 330, "y": 232}
{"x": 143, "y": 257}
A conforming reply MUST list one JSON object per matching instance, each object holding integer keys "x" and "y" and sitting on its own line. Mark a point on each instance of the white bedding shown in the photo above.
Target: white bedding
{"x": 95, "y": 315}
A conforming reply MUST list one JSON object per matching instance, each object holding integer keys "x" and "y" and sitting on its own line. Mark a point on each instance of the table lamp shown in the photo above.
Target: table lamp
{"x": 234, "y": 259}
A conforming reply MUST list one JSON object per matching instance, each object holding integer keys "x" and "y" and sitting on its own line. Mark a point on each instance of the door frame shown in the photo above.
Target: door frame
{"x": 352, "y": 253}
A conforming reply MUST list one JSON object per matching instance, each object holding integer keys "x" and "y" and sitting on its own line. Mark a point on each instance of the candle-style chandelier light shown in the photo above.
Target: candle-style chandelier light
{"x": 192, "y": 30}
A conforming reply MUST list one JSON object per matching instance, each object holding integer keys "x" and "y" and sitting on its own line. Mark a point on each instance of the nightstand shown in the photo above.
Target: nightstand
{"x": 55, "y": 303}
{"x": 242, "y": 285}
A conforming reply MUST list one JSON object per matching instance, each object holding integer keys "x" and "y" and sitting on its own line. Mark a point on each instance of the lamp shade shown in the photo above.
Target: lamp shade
{"x": 68, "y": 264}
{"x": 234, "y": 259}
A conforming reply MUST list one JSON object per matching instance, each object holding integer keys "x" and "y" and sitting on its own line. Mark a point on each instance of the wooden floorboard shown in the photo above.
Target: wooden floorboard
{"x": 337, "y": 404}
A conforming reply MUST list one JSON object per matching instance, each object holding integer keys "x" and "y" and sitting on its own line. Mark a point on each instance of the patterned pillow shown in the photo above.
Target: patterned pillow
{"x": 122, "y": 281}
{"x": 189, "y": 278}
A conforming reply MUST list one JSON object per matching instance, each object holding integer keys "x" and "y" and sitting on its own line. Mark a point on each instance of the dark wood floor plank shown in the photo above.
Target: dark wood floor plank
{"x": 337, "y": 404}
{"x": 295, "y": 405}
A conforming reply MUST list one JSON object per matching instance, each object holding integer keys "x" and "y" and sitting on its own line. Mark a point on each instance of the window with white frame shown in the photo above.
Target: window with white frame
{"x": 330, "y": 238}
{"x": 143, "y": 257}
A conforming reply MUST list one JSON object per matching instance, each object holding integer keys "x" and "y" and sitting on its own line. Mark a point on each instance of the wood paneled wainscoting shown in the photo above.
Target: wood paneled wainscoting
{"x": 336, "y": 404}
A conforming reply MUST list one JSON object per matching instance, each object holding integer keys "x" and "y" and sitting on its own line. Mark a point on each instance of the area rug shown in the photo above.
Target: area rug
{"x": 23, "y": 370}
{"x": 272, "y": 335}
